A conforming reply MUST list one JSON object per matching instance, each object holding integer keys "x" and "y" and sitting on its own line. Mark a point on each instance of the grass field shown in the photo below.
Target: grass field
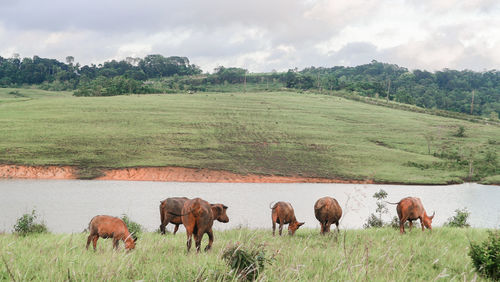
{"x": 278, "y": 133}
{"x": 374, "y": 255}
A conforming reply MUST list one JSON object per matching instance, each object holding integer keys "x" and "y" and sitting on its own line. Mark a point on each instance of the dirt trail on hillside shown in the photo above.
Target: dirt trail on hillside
{"x": 167, "y": 174}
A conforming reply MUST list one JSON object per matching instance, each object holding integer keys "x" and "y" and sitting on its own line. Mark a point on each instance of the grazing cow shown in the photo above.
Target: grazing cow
{"x": 106, "y": 226}
{"x": 283, "y": 214}
{"x": 170, "y": 211}
{"x": 327, "y": 211}
{"x": 411, "y": 208}
{"x": 198, "y": 217}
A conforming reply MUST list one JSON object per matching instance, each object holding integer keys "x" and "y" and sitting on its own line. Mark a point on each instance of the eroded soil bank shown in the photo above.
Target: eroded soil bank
{"x": 172, "y": 174}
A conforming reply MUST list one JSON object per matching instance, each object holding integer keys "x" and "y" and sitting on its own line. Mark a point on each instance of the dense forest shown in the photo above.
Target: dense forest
{"x": 466, "y": 91}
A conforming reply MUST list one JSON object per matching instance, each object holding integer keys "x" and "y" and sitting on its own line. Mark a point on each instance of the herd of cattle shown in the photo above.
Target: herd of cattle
{"x": 198, "y": 215}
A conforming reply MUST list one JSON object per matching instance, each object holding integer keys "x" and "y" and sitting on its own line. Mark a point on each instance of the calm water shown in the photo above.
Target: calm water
{"x": 68, "y": 205}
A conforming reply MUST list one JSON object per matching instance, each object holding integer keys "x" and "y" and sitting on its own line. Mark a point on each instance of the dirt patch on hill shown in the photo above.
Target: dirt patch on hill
{"x": 37, "y": 172}
{"x": 168, "y": 174}
{"x": 180, "y": 174}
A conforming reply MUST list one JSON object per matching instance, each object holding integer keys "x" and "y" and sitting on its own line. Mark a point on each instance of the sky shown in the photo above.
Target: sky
{"x": 259, "y": 35}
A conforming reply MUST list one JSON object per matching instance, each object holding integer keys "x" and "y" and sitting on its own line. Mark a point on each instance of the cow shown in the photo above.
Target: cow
{"x": 170, "y": 210}
{"x": 411, "y": 208}
{"x": 106, "y": 226}
{"x": 198, "y": 217}
{"x": 282, "y": 213}
{"x": 327, "y": 211}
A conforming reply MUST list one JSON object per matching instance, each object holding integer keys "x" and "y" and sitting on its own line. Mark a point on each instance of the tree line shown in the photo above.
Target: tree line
{"x": 466, "y": 91}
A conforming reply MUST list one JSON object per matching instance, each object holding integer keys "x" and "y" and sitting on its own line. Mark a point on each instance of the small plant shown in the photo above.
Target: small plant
{"x": 247, "y": 263}
{"x": 459, "y": 219}
{"x": 460, "y": 132}
{"x": 373, "y": 220}
{"x": 395, "y": 223}
{"x": 133, "y": 227}
{"x": 26, "y": 225}
{"x": 486, "y": 256}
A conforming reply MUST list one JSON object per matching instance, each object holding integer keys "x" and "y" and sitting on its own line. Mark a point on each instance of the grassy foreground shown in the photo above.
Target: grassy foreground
{"x": 278, "y": 133}
{"x": 375, "y": 255}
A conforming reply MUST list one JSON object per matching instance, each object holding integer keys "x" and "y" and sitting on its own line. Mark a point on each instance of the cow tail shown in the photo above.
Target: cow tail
{"x": 271, "y": 205}
{"x": 195, "y": 209}
{"x": 393, "y": 203}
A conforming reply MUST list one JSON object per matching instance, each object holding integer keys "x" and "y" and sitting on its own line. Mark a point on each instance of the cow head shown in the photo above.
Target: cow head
{"x": 219, "y": 212}
{"x": 428, "y": 221}
{"x": 292, "y": 227}
{"x": 130, "y": 242}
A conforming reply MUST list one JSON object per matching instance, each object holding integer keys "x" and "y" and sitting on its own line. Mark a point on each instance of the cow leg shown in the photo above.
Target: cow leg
{"x": 176, "y": 228}
{"x": 163, "y": 224}
{"x": 327, "y": 227}
{"x": 322, "y": 228}
{"x": 94, "y": 241}
{"x": 274, "y": 218}
{"x": 116, "y": 241}
{"x": 337, "y": 224}
{"x": 189, "y": 233}
{"x": 402, "y": 225}
{"x": 281, "y": 227}
{"x": 411, "y": 224}
{"x": 88, "y": 241}
{"x": 210, "y": 240}
{"x": 421, "y": 223}
{"x": 197, "y": 240}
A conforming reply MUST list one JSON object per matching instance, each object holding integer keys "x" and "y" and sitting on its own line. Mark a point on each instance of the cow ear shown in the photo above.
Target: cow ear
{"x": 225, "y": 207}
{"x": 432, "y": 216}
{"x": 301, "y": 223}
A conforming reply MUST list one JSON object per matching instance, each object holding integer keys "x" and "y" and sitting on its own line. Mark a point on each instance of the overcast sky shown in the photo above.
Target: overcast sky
{"x": 260, "y": 35}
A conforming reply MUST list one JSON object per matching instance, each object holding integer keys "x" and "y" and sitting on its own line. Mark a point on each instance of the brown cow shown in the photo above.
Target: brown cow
{"x": 327, "y": 211}
{"x": 106, "y": 226}
{"x": 283, "y": 214}
{"x": 170, "y": 211}
{"x": 198, "y": 217}
{"x": 411, "y": 208}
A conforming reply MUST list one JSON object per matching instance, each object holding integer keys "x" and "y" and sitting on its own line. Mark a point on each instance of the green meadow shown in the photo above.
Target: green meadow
{"x": 280, "y": 133}
{"x": 353, "y": 255}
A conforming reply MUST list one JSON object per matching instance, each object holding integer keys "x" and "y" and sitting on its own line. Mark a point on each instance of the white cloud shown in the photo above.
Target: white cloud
{"x": 259, "y": 35}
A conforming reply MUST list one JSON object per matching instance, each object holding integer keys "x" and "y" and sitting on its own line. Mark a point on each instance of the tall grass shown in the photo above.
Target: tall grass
{"x": 279, "y": 133}
{"x": 374, "y": 254}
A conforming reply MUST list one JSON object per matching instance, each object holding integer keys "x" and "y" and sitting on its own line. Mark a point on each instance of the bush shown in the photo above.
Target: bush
{"x": 459, "y": 219}
{"x": 395, "y": 223}
{"x": 373, "y": 222}
{"x": 486, "y": 256}
{"x": 460, "y": 132}
{"x": 133, "y": 227}
{"x": 247, "y": 263}
{"x": 26, "y": 225}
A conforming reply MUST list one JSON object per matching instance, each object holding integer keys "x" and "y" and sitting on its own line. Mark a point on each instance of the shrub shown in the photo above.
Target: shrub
{"x": 373, "y": 220}
{"x": 460, "y": 132}
{"x": 395, "y": 223}
{"x": 247, "y": 263}
{"x": 133, "y": 227}
{"x": 26, "y": 225}
{"x": 459, "y": 219}
{"x": 486, "y": 256}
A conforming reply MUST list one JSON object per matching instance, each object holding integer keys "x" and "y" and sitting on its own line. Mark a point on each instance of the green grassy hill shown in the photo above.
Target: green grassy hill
{"x": 279, "y": 133}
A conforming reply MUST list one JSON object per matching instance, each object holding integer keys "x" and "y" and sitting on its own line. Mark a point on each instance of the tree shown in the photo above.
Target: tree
{"x": 70, "y": 60}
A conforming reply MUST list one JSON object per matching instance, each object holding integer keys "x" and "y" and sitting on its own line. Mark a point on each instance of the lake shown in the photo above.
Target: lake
{"x": 68, "y": 205}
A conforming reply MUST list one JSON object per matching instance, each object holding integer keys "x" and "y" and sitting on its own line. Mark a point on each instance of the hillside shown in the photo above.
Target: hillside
{"x": 279, "y": 133}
